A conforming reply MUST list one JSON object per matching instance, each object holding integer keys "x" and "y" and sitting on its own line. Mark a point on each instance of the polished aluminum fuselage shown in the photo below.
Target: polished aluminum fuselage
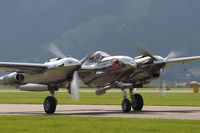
{"x": 134, "y": 71}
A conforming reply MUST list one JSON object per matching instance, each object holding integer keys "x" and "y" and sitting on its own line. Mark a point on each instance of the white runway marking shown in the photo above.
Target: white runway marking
{"x": 168, "y": 112}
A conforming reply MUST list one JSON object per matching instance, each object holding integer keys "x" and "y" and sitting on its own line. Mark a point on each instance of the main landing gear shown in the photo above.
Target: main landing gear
{"x": 50, "y": 103}
{"x": 136, "y": 102}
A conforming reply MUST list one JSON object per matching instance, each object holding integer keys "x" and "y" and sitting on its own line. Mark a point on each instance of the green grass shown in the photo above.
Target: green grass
{"x": 62, "y": 124}
{"x": 110, "y": 98}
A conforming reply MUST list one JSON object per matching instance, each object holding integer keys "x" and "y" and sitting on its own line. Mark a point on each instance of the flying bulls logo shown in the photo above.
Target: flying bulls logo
{"x": 116, "y": 68}
{"x": 116, "y": 64}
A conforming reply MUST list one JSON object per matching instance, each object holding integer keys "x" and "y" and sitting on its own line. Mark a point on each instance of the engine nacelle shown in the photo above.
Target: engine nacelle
{"x": 13, "y": 78}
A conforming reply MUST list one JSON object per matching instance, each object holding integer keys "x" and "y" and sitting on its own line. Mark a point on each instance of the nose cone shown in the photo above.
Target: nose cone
{"x": 160, "y": 59}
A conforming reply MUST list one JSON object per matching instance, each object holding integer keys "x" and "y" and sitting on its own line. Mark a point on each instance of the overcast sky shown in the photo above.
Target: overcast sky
{"x": 81, "y": 26}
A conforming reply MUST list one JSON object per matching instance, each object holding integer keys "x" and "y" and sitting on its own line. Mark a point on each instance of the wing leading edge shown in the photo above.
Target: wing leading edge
{"x": 22, "y": 67}
{"x": 182, "y": 60}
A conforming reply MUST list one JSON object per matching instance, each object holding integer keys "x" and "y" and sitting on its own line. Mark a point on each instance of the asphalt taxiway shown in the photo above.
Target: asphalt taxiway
{"x": 167, "y": 112}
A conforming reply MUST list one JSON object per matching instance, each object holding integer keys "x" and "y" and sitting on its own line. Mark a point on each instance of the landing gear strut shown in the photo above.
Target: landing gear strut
{"x": 50, "y": 103}
{"x": 136, "y": 101}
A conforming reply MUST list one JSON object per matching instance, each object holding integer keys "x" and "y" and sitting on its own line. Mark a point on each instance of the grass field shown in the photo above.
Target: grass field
{"x": 110, "y": 98}
{"x": 62, "y": 124}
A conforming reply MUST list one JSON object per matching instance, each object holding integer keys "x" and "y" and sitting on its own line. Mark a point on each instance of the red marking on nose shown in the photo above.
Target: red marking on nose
{"x": 116, "y": 63}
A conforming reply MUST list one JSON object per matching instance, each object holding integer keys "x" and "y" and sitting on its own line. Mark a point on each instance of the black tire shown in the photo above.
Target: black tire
{"x": 126, "y": 106}
{"x": 137, "y": 102}
{"x": 50, "y": 105}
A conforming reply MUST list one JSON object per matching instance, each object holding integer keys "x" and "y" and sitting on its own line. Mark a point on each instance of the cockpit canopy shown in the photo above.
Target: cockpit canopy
{"x": 96, "y": 57}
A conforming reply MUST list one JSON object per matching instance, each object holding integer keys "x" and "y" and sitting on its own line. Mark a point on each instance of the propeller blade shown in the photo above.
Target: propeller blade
{"x": 162, "y": 83}
{"x": 144, "y": 51}
{"x": 54, "y": 50}
{"x": 75, "y": 86}
{"x": 173, "y": 54}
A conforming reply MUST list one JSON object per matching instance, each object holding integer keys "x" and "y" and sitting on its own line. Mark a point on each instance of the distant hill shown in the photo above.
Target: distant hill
{"x": 81, "y": 26}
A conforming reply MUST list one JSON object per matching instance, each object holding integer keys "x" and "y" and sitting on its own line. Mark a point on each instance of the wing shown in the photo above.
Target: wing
{"x": 177, "y": 60}
{"x": 22, "y": 67}
{"x": 182, "y": 60}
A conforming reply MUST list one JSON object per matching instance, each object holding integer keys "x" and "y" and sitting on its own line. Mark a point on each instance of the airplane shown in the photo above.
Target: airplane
{"x": 193, "y": 83}
{"x": 98, "y": 70}
{"x": 50, "y": 76}
{"x": 104, "y": 72}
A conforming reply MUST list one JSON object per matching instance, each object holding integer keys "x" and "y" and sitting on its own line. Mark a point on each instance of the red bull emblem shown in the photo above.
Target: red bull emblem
{"x": 116, "y": 64}
{"x": 116, "y": 69}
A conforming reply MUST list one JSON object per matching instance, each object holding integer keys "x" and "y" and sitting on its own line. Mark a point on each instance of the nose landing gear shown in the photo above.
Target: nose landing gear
{"x": 126, "y": 105}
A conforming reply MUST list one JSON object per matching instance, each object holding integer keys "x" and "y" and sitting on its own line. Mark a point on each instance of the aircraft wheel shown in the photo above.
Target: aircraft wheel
{"x": 137, "y": 102}
{"x": 50, "y": 105}
{"x": 126, "y": 106}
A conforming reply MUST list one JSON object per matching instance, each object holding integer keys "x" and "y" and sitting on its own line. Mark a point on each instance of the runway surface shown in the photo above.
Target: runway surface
{"x": 93, "y": 91}
{"x": 168, "y": 112}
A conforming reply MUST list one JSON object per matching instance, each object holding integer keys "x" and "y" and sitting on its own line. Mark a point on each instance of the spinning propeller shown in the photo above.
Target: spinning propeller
{"x": 144, "y": 51}
{"x": 162, "y": 83}
{"x": 171, "y": 55}
{"x": 75, "y": 84}
{"x": 54, "y": 50}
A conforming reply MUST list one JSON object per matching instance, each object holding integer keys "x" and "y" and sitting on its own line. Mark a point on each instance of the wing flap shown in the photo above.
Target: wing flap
{"x": 22, "y": 67}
